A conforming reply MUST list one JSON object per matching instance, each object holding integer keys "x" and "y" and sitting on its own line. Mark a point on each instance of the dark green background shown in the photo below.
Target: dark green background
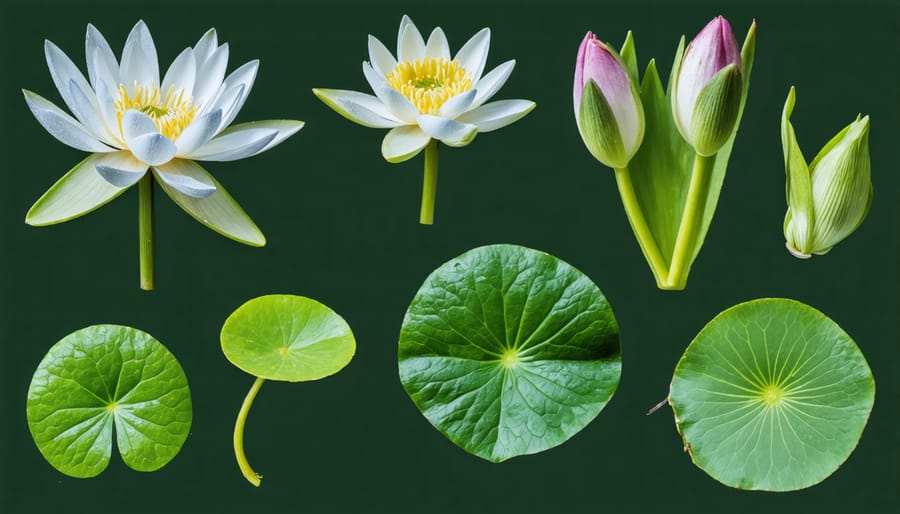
{"x": 342, "y": 228}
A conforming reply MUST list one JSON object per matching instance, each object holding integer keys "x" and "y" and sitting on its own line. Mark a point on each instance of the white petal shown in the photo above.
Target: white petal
{"x": 448, "y": 131}
{"x": 63, "y": 71}
{"x": 198, "y": 132}
{"x": 227, "y": 101}
{"x": 497, "y": 115}
{"x": 410, "y": 45}
{"x": 285, "y": 128}
{"x": 234, "y": 145}
{"x": 186, "y": 177}
{"x": 62, "y": 126}
{"x": 382, "y": 59}
{"x": 209, "y": 75}
{"x": 397, "y": 104}
{"x": 458, "y": 104}
{"x": 106, "y": 101}
{"x": 361, "y": 108}
{"x": 144, "y": 141}
{"x": 97, "y": 50}
{"x": 473, "y": 54}
{"x": 492, "y": 82}
{"x": 208, "y": 43}
{"x": 120, "y": 169}
{"x": 437, "y": 45}
{"x": 181, "y": 74}
{"x": 244, "y": 75}
{"x": 139, "y": 61}
{"x": 403, "y": 143}
{"x": 89, "y": 113}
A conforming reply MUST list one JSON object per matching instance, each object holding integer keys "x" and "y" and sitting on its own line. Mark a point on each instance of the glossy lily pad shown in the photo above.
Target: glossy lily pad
{"x": 771, "y": 395}
{"x": 107, "y": 376}
{"x": 509, "y": 351}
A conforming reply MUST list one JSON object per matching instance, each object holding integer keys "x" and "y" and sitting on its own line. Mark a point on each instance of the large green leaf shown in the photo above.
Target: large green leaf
{"x": 286, "y": 337}
{"x": 509, "y": 351}
{"x": 104, "y": 376}
{"x": 771, "y": 395}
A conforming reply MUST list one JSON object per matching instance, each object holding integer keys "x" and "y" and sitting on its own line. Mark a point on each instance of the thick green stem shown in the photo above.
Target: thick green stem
{"x": 429, "y": 183}
{"x": 252, "y": 476}
{"x": 639, "y": 225}
{"x": 145, "y": 230}
{"x": 691, "y": 220}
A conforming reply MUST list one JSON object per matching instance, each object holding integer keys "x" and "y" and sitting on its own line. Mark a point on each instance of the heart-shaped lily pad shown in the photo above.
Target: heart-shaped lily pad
{"x": 509, "y": 351}
{"x": 107, "y": 376}
{"x": 771, "y": 395}
{"x": 283, "y": 337}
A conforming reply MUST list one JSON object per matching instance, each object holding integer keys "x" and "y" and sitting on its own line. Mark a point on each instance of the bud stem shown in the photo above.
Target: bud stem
{"x": 639, "y": 225}
{"x": 429, "y": 183}
{"x": 145, "y": 230}
{"x": 691, "y": 220}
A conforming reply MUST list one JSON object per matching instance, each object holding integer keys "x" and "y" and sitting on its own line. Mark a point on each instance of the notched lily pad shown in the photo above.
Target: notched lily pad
{"x": 107, "y": 376}
{"x": 771, "y": 395}
{"x": 509, "y": 351}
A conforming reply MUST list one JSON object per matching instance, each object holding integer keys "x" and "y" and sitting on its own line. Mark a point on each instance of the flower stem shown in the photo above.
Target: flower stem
{"x": 145, "y": 230}
{"x": 691, "y": 219}
{"x": 252, "y": 476}
{"x": 429, "y": 183}
{"x": 639, "y": 225}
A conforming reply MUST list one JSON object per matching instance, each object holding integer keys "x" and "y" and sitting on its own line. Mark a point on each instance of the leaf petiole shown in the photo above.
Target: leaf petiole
{"x": 252, "y": 476}
{"x": 639, "y": 225}
{"x": 145, "y": 230}
{"x": 691, "y": 219}
{"x": 429, "y": 183}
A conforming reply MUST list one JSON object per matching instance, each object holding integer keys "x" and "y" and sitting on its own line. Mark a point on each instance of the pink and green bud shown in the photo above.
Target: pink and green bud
{"x": 608, "y": 107}
{"x": 708, "y": 85}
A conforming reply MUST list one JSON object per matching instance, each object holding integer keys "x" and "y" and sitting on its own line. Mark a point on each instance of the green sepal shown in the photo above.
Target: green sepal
{"x": 599, "y": 128}
{"x": 628, "y": 56}
{"x": 799, "y": 219}
{"x": 716, "y": 110}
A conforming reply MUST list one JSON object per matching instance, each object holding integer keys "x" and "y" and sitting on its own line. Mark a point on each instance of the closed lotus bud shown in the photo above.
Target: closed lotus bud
{"x": 830, "y": 198}
{"x": 607, "y": 104}
{"x": 706, "y": 94}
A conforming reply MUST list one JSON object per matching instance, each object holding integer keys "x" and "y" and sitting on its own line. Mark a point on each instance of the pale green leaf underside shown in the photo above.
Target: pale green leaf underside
{"x": 509, "y": 351}
{"x": 107, "y": 376}
{"x": 771, "y": 395}
{"x": 288, "y": 338}
{"x": 78, "y": 192}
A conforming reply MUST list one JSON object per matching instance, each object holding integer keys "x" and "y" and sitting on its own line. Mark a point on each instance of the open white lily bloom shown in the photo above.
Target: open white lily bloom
{"x": 424, "y": 96}
{"x": 133, "y": 123}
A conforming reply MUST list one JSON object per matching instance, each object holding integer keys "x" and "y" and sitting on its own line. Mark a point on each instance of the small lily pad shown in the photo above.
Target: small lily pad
{"x": 771, "y": 395}
{"x": 107, "y": 376}
{"x": 509, "y": 351}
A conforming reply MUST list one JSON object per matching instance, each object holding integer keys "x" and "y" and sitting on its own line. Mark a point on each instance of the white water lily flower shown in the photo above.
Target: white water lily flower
{"x": 133, "y": 123}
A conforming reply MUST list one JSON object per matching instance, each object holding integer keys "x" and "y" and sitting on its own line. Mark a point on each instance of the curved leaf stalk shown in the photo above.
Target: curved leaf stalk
{"x": 252, "y": 476}
{"x": 691, "y": 219}
{"x": 639, "y": 226}
{"x": 145, "y": 230}
{"x": 429, "y": 183}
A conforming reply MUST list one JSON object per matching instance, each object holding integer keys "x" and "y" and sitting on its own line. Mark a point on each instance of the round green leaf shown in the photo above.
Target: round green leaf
{"x": 286, "y": 337}
{"x": 509, "y": 351}
{"x": 104, "y": 376}
{"x": 771, "y": 395}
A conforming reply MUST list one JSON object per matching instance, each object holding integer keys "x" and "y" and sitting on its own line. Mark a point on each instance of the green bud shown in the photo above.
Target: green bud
{"x": 830, "y": 198}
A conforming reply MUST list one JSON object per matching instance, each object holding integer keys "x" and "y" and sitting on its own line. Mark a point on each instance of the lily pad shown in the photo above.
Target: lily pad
{"x": 771, "y": 395}
{"x": 509, "y": 351}
{"x": 107, "y": 376}
{"x": 287, "y": 338}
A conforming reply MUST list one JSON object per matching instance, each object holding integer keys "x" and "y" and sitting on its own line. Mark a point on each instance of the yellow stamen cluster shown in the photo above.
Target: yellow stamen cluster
{"x": 430, "y": 82}
{"x": 171, "y": 113}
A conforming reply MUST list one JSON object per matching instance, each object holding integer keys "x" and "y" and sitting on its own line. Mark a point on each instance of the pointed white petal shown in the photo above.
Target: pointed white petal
{"x": 106, "y": 101}
{"x": 473, "y": 55}
{"x": 492, "y": 82}
{"x": 382, "y": 59}
{"x": 236, "y": 144}
{"x": 361, "y": 108}
{"x": 139, "y": 61}
{"x": 120, "y": 169}
{"x": 63, "y": 71}
{"x": 181, "y": 74}
{"x": 497, "y": 115}
{"x": 403, "y": 143}
{"x": 458, "y": 104}
{"x": 89, "y": 114}
{"x": 198, "y": 132}
{"x": 448, "y": 131}
{"x": 144, "y": 141}
{"x": 209, "y": 75}
{"x": 285, "y": 128}
{"x": 219, "y": 212}
{"x": 411, "y": 46}
{"x": 206, "y": 46}
{"x": 78, "y": 192}
{"x": 186, "y": 177}
{"x": 62, "y": 126}
{"x": 245, "y": 76}
{"x": 227, "y": 101}
{"x": 399, "y": 106}
{"x": 97, "y": 50}
{"x": 437, "y": 45}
